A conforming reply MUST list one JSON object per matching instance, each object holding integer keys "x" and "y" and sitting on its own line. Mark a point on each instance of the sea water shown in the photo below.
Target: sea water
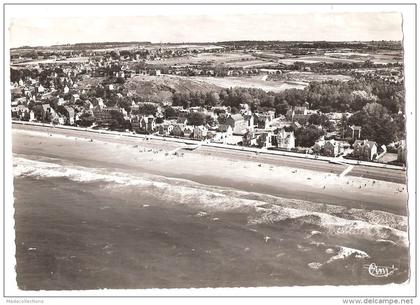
{"x": 81, "y": 227}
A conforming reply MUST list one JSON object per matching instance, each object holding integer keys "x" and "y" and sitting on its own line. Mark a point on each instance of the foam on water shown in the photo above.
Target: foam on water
{"x": 345, "y": 252}
{"x": 262, "y": 208}
{"x": 27, "y": 167}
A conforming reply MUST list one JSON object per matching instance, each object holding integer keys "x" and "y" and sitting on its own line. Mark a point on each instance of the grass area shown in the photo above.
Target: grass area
{"x": 90, "y": 81}
{"x": 162, "y": 87}
{"x": 388, "y": 157}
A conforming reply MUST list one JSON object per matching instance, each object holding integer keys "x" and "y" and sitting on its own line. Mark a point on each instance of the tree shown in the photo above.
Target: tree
{"x": 281, "y": 107}
{"x": 321, "y": 119}
{"x": 170, "y": 112}
{"x": 400, "y": 132}
{"x": 26, "y": 116}
{"x": 61, "y": 110}
{"x": 234, "y": 110}
{"x": 117, "y": 120}
{"x": 124, "y": 103}
{"x": 377, "y": 125}
{"x": 307, "y": 136}
{"x": 212, "y": 99}
{"x": 148, "y": 109}
{"x": 210, "y": 120}
{"x": 342, "y": 126}
{"x": 196, "y": 118}
{"x": 85, "y": 120}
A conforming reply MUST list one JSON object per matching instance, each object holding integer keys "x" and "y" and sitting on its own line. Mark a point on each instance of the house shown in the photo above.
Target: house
{"x": 365, "y": 150}
{"x": 225, "y": 129}
{"x": 249, "y": 119}
{"x": 182, "y": 120}
{"x": 19, "y": 111}
{"x": 69, "y": 115}
{"x": 98, "y": 102}
{"x": 40, "y": 89}
{"x": 318, "y": 146}
{"x": 214, "y": 136}
{"x": 296, "y": 125}
{"x": 32, "y": 116}
{"x": 165, "y": 129}
{"x": 155, "y": 72}
{"x": 285, "y": 140}
{"x": 188, "y": 131}
{"x": 143, "y": 124}
{"x": 61, "y": 101}
{"x": 151, "y": 123}
{"x": 298, "y": 113}
{"x": 244, "y": 108}
{"x": 238, "y": 124}
{"x": 402, "y": 152}
{"x": 103, "y": 116}
{"x": 331, "y": 148}
{"x": 354, "y": 132}
{"x": 75, "y": 97}
{"x": 119, "y": 74}
{"x": 265, "y": 139}
{"x": 262, "y": 121}
{"x": 46, "y": 112}
{"x": 248, "y": 139}
{"x": 178, "y": 130}
{"x": 60, "y": 119}
{"x": 200, "y": 132}
{"x": 301, "y": 114}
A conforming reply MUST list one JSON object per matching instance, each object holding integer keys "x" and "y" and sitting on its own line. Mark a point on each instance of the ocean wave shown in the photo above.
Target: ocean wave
{"x": 332, "y": 225}
{"x": 35, "y": 168}
{"x": 262, "y": 208}
{"x": 345, "y": 252}
{"x": 341, "y": 253}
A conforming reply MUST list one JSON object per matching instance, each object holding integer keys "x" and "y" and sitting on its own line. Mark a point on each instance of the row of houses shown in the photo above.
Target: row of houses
{"x": 279, "y": 138}
{"x": 44, "y": 112}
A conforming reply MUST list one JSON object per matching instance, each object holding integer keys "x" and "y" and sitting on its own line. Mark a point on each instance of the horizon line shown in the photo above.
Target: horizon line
{"x": 195, "y": 42}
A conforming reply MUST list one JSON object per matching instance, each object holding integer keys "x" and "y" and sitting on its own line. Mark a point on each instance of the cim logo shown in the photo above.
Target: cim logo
{"x": 380, "y": 271}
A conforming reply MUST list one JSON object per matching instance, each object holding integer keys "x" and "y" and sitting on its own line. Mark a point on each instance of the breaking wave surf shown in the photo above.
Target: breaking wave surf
{"x": 262, "y": 208}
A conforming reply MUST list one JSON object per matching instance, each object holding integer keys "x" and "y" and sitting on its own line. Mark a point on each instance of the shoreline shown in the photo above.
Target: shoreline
{"x": 252, "y": 175}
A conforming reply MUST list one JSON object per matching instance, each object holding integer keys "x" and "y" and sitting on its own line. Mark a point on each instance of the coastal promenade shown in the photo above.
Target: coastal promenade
{"x": 370, "y": 170}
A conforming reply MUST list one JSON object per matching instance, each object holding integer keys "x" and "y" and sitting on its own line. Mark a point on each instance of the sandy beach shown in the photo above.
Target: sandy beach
{"x": 251, "y": 175}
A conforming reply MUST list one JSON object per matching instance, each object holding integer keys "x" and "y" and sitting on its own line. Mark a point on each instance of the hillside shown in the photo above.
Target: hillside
{"x": 161, "y": 88}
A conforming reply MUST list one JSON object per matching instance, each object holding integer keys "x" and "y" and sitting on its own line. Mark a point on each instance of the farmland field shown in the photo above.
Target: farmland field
{"x": 51, "y": 61}
{"x": 247, "y": 64}
{"x": 310, "y": 76}
{"x": 317, "y": 59}
{"x": 256, "y": 82}
{"x": 349, "y": 57}
{"x": 217, "y": 58}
